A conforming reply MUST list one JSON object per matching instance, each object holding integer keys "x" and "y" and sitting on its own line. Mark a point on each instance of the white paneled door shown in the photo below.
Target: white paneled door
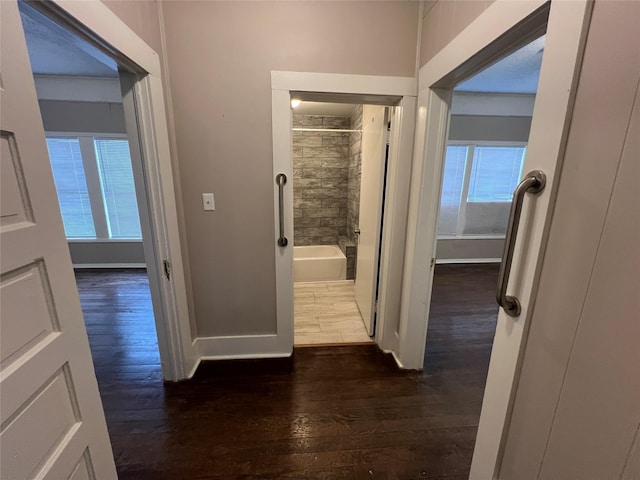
{"x": 52, "y": 422}
{"x": 369, "y": 223}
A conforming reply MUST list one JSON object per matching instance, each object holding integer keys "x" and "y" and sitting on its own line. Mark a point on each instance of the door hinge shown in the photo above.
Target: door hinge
{"x": 167, "y": 269}
{"x": 433, "y": 262}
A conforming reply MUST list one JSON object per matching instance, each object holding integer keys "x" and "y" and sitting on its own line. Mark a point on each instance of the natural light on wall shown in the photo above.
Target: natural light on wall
{"x": 479, "y": 179}
{"x": 96, "y": 192}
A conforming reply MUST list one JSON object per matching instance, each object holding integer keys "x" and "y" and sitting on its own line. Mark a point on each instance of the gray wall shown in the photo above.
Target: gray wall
{"x": 320, "y": 176}
{"x": 221, "y": 99}
{"x": 105, "y": 253}
{"x": 91, "y": 117}
{"x": 355, "y": 163}
{"x": 465, "y": 249}
{"x": 485, "y": 127}
{"x": 443, "y": 20}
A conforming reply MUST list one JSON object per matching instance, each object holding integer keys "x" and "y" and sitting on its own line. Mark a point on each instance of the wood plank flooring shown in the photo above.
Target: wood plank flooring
{"x": 340, "y": 412}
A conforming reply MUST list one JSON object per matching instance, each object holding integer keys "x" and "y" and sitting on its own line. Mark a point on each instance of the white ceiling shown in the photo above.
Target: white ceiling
{"x": 55, "y": 51}
{"x": 325, "y": 108}
{"x": 516, "y": 73}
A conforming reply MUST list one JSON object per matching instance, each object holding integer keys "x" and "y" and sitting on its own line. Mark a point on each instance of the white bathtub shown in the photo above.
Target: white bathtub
{"x": 319, "y": 263}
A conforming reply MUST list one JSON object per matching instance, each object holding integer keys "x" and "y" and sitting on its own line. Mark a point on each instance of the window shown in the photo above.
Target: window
{"x": 118, "y": 190}
{"x": 71, "y": 185}
{"x": 96, "y": 191}
{"x": 495, "y": 173}
{"x": 477, "y": 188}
{"x": 452, "y": 183}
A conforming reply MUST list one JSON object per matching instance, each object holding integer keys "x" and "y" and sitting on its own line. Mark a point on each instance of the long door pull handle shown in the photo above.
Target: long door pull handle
{"x": 281, "y": 179}
{"x": 533, "y": 182}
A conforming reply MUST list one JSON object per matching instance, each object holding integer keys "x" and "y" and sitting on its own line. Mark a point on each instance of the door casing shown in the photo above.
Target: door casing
{"x": 398, "y": 177}
{"x": 504, "y": 27}
{"x": 143, "y": 100}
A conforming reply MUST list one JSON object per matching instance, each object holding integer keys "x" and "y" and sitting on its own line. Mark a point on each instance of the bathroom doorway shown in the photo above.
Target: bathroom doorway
{"x": 384, "y": 102}
{"x": 339, "y": 164}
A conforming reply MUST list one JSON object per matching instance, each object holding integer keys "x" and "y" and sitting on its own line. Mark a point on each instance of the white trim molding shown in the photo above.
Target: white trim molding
{"x": 81, "y": 266}
{"x": 343, "y": 83}
{"x": 240, "y": 347}
{"x": 144, "y": 103}
{"x": 362, "y": 88}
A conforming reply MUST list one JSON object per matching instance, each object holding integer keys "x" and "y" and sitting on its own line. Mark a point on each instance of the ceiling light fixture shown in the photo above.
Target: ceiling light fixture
{"x": 295, "y": 103}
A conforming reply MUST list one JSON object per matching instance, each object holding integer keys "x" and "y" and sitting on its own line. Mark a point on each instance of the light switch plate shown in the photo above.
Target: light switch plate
{"x": 208, "y": 202}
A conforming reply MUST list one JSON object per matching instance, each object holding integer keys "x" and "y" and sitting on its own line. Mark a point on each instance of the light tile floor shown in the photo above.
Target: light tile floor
{"x": 326, "y": 312}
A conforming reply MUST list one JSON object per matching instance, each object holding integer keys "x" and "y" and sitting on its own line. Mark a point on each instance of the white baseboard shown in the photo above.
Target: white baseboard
{"x": 395, "y": 357}
{"x": 193, "y": 369}
{"x": 109, "y": 265}
{"x": 240, "y": 347}
{"x": 444, "y": 261}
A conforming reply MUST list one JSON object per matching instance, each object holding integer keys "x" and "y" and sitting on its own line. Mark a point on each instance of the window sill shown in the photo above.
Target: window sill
{"x": 471, "y": 237}
{"x": 104, "y": 240}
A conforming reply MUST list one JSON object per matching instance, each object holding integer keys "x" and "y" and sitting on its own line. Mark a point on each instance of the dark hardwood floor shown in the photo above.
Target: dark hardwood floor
{"x": 327, "y": 413}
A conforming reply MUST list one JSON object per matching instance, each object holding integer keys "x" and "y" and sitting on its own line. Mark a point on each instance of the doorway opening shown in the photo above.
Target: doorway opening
{"x": 488, "y": 132}
{"x": 387, "y": 245}
{"x": 104, "y": 209}
{"x": 340, "y": 155}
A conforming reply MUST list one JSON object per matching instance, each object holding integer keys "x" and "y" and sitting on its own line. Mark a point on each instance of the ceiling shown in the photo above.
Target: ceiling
{"x": 325, "y": 108}
{"x": 516, "y": 73}
{"x": 55, "y": 51}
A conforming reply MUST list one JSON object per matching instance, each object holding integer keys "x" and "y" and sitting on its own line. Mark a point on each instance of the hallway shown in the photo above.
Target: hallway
{"x": 328, "y": 412}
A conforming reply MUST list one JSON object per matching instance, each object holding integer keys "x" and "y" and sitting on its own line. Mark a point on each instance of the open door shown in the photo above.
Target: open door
{"x": 502, "y": 28}
{"x": 53, "y": 425}
{"x": 371, "y": 190}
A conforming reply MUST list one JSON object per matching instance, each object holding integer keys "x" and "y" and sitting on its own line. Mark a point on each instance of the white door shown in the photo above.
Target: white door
{"x": 503, "y": 23}
{"x": 371, "y": 187}
{"x": 53, "y": 425}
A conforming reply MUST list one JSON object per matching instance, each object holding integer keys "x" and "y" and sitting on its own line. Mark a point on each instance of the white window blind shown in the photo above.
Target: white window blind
{"x": 495, "y": 173}
{"x": 71, "y": 185}
{"x": 452, "y": 183}
{"x": 477, "y": 188}
{"x": 116, "y": 177}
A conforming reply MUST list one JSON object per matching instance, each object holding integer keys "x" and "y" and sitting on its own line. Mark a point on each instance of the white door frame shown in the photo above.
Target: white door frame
{"x": 398, "y": 179}
{"x": 145, "y": 101}
{"x": 502, "y": 28}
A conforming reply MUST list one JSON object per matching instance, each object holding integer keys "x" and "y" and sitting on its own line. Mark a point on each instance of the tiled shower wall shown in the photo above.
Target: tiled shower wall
{"x": 320, "y": 180}
{"x": 353, "y": 184}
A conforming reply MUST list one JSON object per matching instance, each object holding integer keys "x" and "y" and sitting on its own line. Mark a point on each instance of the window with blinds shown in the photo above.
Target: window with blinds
{"x": 118, "y": 190}
{"x": 71, "y": 186}
{"x": 477, "y": 188}
{"x": 96, "y": 191}
{"x": 452, "y": 184}
{"x": 495, "y": 173}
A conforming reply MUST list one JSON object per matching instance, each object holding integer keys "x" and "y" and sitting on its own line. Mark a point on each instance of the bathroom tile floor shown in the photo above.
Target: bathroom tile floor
{"x": 327, "y": 313}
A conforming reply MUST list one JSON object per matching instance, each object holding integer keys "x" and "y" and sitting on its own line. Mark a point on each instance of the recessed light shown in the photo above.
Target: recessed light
{"x": 295, "y": 103}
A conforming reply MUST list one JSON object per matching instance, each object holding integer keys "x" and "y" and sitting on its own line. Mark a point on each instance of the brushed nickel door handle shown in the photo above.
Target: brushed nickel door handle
{"x": 281, "y": 179}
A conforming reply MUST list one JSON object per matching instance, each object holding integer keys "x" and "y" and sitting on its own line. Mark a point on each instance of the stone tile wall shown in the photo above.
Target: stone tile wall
{"x": 320, "y": 179}
{"x": 353, "y": 184}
